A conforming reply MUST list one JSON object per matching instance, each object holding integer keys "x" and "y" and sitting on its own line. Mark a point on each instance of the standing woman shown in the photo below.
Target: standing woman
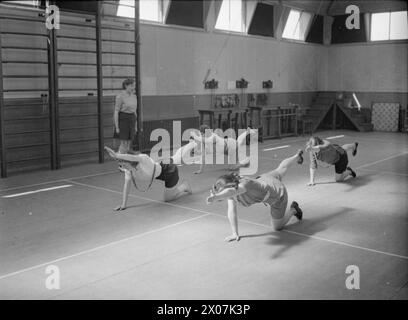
{"x": 124, "y": 116}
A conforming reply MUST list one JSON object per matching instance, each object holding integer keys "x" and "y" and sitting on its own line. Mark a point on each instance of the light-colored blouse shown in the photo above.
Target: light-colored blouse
{"x": 126, "y": 103}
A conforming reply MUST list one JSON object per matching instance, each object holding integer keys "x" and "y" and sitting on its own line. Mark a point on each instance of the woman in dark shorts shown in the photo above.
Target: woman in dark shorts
{"x": 125, "y": 115}
{"x": 326, "y": 153}
{"x": 141, "y": 167}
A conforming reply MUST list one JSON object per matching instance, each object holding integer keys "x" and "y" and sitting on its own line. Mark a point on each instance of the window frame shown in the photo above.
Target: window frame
{"x": 243, "y": 19}
{"x": 161, "y": 13}
{"x": 309, "y": 23}
{"x": 389, "y": 28}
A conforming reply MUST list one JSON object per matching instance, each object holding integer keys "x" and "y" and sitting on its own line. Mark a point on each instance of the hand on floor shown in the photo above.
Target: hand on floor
{"x": 233, "y": 237}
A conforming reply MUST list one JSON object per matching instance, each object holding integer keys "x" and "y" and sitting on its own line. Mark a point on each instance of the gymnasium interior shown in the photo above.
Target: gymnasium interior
{"x": 288, "y": 69}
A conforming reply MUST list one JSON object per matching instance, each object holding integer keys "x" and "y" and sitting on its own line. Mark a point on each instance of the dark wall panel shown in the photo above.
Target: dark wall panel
{"x": 315, "y": 34}
{"x": 341, "y": 34}
{"x": 186, "y": 13}
{"x": 262, "y": 21}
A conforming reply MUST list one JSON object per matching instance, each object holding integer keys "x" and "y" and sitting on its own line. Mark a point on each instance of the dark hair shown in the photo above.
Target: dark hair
{"x": 315, "y": 141}
{"x": 230, "y": 180}
{"x": 127, "y": 82}
{"x": 203, "y": 127}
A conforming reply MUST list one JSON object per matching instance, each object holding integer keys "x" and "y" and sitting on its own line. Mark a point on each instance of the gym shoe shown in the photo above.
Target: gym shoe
{"x": 299, "y": 212}
{"x": 353, "y": 174}
{"x": 355, "y": 149}
{"x": 300, "y": 154}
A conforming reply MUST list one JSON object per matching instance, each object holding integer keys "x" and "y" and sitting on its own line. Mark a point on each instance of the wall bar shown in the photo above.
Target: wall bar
{"x": 99, "y": 82}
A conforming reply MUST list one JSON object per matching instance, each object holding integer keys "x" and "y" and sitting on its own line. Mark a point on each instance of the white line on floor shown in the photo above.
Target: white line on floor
{"x": 205, "y": 213}
{"x": 335, "y": 137}
{"x": 36, "y": 191}
{"x": 386, "y": 172}
{"x": 378, "y": 161}
{"x": 59, "y": 180}
{"x": 99, "y": 247}
{"x": 276, "y": 148}
{"x": 247, "y": 221}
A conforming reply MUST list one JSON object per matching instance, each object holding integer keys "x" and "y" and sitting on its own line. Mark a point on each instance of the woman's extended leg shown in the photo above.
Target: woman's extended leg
{"x": 351, "y": 147}
{"x": 287, "y": 163}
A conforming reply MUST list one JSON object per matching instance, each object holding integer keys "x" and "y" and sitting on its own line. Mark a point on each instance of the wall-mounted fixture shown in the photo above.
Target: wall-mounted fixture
{"x": 241, "y": 84}
{"x": 212, "y": 84}
{"x": 267, "y": 84}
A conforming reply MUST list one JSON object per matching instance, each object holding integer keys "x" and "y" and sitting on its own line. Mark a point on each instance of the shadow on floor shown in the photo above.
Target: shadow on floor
{"x": 359, "y": 181}
{"x": 308, "y": 227}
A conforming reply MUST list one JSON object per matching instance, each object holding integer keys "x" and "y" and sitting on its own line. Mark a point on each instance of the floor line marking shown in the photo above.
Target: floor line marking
{"x": 36, "y": 191}
{"x": 276, "y": 148}
{"x": 335, "y": 137}
{"x": 99, "y": 247}
{"x": 386, "y": 172}
{"x": 205, "y": 213}
{"x": 254, "y": 223}
{"x": 59, "y": 180}
{"x": 378, "y": 161}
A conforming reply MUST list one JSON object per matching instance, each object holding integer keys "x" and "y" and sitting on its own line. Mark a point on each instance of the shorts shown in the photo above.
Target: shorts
{"x": 127, "y": 123}
{"x": 169, "y": 174}
{"x": 277, "y": 205}
{"x": 341, "y": 165}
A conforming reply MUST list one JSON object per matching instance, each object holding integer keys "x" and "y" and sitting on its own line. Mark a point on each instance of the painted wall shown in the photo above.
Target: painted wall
{"x": 177, "y": 61}
{"x": 376, "y": 72}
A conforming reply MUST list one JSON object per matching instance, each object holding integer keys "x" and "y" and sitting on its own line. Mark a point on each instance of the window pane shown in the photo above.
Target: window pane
{"x": 149, "y": 9}
{"x": 292, "y": 30}
{"x": 230, "y": 16}
{"x": 380, "y": 26}
{"x": 236, "y": 15}
{"x": 399, "y": 25}
{"x": 303, "y": 25}
{"x": 126, "y": 9}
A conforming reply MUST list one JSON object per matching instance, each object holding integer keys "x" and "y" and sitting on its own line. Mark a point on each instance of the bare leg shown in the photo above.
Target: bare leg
{"x": 287, "y": 163}
{"x": 174, "y": 193}
{"x": 243, "y": 164}
{"x": 349, "y": 147}
{"x": 278, "y": 224}
{"x": 126, "y": 189}
{"x": 339, "y": 177}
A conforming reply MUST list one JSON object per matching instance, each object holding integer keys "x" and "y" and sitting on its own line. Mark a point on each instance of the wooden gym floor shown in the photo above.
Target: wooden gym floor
{"x": 157, "y": 250}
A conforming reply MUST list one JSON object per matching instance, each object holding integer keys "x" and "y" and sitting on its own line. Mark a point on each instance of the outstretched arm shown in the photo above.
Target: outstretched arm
{"x": 325, "y": 144}
{"x": 123, "y": 156}
{"x": 227, "y": 193}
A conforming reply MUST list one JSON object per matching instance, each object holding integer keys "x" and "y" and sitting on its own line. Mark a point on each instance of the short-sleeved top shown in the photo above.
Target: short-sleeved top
{"x": 331, "y": 154}
{"x": 263, "y": 189}
{"x": 126, "y": 103}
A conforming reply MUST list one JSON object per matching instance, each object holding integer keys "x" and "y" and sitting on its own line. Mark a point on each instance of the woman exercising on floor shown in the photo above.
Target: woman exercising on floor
{"x": 331, "y": 154}
{"x": 143, "y": 168}
{"x": 268, "y": 188}
{"x": 230, "y": 146}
